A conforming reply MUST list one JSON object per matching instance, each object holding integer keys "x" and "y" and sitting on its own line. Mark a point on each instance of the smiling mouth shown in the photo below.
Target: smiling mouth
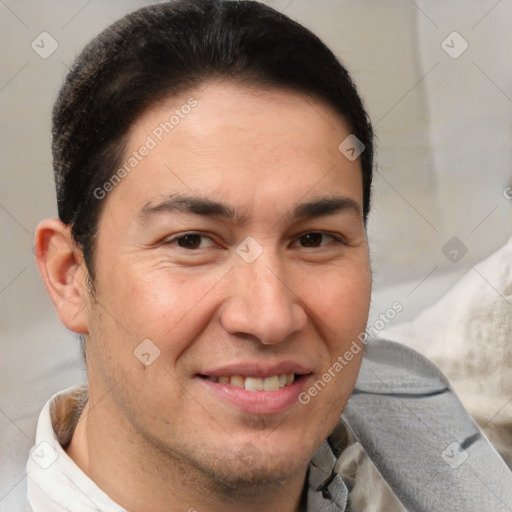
{"x": 272, "y": 383}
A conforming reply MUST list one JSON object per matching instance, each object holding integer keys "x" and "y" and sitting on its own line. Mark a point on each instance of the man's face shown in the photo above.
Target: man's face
{"x": 174, "y": 265}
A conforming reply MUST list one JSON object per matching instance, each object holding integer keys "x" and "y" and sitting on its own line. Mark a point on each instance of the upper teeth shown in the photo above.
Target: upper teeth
{"x": 256, "y": 383}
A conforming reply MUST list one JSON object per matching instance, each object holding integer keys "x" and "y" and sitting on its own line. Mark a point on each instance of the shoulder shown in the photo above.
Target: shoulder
{"x": 418, "y": 437}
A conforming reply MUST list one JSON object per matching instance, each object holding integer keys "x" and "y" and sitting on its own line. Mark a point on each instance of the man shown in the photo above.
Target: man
{"x": 213, "y": 165}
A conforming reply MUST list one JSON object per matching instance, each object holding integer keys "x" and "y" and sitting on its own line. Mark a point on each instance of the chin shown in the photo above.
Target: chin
{"x": 248, "y": 470}
{"x": 244, "y": 481}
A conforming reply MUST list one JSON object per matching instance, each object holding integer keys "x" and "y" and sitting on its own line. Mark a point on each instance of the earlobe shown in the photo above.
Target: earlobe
{"x": 63, "y": 273}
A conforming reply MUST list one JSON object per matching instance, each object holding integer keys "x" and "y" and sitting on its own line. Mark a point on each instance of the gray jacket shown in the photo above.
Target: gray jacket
{"x": 417, "y": 435}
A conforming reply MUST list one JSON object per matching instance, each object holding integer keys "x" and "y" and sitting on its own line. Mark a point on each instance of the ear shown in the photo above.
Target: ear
{"x": 63, "y": 272}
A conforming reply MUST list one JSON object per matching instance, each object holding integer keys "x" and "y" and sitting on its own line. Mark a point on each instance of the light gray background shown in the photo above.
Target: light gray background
{"x": 443, "y": 162}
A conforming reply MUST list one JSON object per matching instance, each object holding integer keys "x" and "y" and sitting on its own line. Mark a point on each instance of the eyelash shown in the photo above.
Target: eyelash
{"x": 175, "y": 239}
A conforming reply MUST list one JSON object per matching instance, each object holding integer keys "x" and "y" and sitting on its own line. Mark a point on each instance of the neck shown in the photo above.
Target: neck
{"x": 140, "y": 476}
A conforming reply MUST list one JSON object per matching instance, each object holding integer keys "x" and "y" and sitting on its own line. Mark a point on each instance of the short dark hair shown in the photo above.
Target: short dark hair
{"x": 162, "y": 50}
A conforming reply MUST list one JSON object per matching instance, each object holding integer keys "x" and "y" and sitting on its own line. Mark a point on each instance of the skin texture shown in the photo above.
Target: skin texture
{"x": 156, "y": 437}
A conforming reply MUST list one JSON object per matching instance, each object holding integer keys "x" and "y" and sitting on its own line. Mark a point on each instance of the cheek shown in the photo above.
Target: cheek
{"x": 167, "y": 306}
{"x": 340, "y": 307}
{"x": 340, "y": 300}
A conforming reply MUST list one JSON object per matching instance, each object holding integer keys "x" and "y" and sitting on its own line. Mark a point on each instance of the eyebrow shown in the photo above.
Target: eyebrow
{"x": 196, "y": 205}
{"x": 209, "y": 208}
{"x": 325, "y": 206}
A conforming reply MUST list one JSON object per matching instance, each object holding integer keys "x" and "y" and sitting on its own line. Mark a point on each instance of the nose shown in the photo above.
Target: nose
{"x": 262, "y": 303}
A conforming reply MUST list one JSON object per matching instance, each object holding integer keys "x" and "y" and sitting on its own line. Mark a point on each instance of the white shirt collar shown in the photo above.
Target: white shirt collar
{"x": 55, "y": 483}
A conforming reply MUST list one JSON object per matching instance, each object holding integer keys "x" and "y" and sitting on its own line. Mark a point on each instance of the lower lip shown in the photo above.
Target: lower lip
{"x": 258, "y": 402}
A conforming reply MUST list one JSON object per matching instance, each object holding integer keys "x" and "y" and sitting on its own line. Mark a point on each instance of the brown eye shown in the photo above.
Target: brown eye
{"x": 189, "y": 241}
{"x": 316, "y": 239}
{"x": 311, "y": 239}
{"x": 192, "y": 241}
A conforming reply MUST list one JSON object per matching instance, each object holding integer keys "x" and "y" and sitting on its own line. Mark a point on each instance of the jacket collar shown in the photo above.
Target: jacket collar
{"x": 327, "y": 491}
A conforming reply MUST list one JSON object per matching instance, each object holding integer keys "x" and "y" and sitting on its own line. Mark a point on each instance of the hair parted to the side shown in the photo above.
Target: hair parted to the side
{"x": 163, "y": 50}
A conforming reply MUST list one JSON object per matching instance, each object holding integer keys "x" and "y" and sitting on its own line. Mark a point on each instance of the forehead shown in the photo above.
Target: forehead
{"x": 244, "y": 145}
